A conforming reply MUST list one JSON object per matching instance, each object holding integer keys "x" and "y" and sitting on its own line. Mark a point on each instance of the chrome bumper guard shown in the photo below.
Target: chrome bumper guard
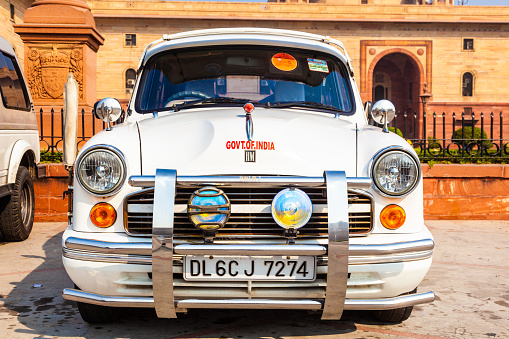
{"x": 162, "y": 250}
{"x": 350, "y": 304}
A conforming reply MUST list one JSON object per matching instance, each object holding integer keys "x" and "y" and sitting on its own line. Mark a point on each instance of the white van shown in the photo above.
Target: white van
{"x": 19, "y": 149}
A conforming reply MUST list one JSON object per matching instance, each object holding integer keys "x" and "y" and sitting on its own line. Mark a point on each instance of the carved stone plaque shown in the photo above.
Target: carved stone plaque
{"x": 48, "y": 66}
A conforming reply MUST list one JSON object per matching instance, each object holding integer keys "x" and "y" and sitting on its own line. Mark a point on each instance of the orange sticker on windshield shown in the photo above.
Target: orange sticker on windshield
{"x": 284, "y": 62}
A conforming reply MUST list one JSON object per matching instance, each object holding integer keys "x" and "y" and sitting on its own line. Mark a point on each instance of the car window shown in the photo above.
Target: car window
{"x": 12, "y": 87}
{"x": 266, "y": 75}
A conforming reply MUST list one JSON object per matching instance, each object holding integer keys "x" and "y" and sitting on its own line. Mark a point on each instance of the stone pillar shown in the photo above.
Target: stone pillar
{"x": 60, "y": 37}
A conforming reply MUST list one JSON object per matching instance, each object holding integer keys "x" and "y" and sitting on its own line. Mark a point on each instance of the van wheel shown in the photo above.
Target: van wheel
{"x": 17, "y": 211}
{"x": 397, "y": 315}
{"x": 95, "y": 314}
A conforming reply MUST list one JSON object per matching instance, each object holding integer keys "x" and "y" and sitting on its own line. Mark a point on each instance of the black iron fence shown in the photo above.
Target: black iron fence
{"x": 455, "y": 137}
{"x": 51, "y": 128}
{"x": 434, "y": 136}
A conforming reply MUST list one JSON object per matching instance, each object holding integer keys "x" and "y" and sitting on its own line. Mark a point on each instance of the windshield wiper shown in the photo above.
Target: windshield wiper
{"x": 222, "y": 100}
{"x": 310, "y": 104}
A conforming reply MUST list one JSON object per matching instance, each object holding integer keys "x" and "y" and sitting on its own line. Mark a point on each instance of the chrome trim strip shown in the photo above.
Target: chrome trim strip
{"x": 103, "y": 251}
{"x": 395, "y": 248}
{"x": 350, "y": 304}
{"x": 252, "y": 304}
{"x": 103, "y": 300}
{"x": 249, "y": 208}
{"x": 140, "y": 248}
{"x": 249, "y": 181}
{"x": 237, "y": 249}
{"x": 337, "y": 270}
{"x": 147, "y": 260}
{"x": 162, "y": 243}
{"x": 112, "y": 258}
{"x": 389, "y": 259}
{"x": 389, "y": 303}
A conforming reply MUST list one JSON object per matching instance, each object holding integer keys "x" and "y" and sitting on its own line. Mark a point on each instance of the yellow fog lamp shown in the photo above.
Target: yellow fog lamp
{"x": 209, "y": 209}
{"x": 103, "y": 215}
{"x": 291, "y": 208}
{"x": 393, "y": 217}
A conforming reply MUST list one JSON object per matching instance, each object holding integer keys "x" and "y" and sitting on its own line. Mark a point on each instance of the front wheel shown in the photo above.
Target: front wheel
{"x": 17, "y": 210}
{"x": 397, "y": 315}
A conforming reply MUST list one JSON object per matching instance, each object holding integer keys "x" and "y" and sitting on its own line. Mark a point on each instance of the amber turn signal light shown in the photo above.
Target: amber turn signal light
{"x": 393, "y": 217}
{"x": 103, "y": 215}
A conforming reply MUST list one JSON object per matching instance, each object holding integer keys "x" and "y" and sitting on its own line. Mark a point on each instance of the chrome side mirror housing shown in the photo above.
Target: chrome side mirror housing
{"x": 368, "y": 106}
{"x": 383, "y": 112}
{"x": 108, "y": 110}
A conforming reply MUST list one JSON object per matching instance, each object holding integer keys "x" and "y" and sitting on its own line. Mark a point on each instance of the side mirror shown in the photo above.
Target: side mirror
{"x": 367, "y": 108}
{"x": 108, "y": 110}
{"x": 383, "y": 112}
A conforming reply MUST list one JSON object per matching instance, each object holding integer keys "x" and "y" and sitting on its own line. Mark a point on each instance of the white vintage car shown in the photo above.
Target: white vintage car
{"x": 246, "y": 176}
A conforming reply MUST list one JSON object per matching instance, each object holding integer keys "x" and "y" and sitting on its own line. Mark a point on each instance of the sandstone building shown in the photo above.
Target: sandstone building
{"x": 400, "y": 49}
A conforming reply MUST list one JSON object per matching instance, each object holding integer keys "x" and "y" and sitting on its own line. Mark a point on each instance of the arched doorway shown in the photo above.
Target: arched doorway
{"x": 397, "y": 77}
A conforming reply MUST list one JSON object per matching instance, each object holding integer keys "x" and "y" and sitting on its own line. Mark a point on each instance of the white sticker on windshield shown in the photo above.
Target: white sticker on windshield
{"x": 318, "y": 65}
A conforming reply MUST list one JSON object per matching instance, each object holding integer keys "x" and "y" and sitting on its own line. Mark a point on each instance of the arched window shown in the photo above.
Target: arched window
{"x": 130, "y": 77}
{"x": 468, "y": 84}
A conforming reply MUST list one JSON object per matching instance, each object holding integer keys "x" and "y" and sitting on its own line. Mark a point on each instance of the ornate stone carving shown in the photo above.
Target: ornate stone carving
{"x": 48, "y": 67}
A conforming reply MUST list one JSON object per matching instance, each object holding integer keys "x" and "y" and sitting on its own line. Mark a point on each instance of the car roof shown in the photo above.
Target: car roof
{"x": 246, "y": 35}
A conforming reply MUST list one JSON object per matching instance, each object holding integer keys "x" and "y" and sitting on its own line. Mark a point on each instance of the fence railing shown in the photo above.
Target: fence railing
{"x": 455, "y": 137}
{"x": 51, "y": 128}
{"x": 480, "y": 136}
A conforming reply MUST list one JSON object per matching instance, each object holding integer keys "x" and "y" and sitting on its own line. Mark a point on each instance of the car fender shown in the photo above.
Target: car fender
{"x": 18, "y": 151}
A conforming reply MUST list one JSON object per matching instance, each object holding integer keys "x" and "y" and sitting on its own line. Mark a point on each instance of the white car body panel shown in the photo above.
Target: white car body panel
{"x": 206, "y": 131}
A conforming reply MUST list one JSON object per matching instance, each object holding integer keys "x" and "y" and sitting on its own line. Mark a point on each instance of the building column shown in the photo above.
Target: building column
{"x": 60, "y": 37}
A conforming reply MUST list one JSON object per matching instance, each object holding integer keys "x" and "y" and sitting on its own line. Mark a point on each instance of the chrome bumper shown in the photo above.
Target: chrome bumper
{"x": 162, "y": 252}
{"x": 181, "y": 305}
{"x": 140, "y": 252}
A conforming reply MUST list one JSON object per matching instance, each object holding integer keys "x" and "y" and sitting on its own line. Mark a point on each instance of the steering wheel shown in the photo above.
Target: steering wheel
{"x": 186, "y": 94}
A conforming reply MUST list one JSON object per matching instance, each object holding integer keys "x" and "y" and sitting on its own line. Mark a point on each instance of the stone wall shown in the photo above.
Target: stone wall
{"x": 461, "y": 192}
{"x": 467, "y": 192}
{"x": 49, "y": 202}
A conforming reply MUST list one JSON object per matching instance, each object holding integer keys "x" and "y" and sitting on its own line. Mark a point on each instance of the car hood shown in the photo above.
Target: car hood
{"x": 213, "y": 141}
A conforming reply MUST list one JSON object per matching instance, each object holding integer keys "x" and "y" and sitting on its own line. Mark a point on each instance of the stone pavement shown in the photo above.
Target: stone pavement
{"x": 470, "y": 276}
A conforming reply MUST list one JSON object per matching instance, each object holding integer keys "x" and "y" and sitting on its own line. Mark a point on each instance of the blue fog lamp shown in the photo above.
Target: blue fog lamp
{"x": 291, "y": 208}
{"x": 209, "y": 209}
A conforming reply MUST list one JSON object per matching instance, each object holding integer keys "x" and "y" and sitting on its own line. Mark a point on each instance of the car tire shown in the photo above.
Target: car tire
{"x": 17, "y": 210}
{"x": 396, "y": 315}
{"x": 96, "y": 314}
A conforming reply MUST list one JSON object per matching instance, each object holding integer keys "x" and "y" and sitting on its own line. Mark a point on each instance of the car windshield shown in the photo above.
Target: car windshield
{"x": 265, "y": 75}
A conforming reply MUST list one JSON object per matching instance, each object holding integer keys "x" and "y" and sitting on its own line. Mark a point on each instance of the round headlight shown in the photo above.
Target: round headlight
{"x": 101, "y": 170}
{"x": 209, "y": 208}
{"x": 395, "y": 173}
{"x": 291, "y": 208}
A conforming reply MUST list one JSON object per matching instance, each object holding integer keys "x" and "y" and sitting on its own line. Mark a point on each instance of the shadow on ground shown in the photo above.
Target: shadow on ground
{"x": 37, "y": 303}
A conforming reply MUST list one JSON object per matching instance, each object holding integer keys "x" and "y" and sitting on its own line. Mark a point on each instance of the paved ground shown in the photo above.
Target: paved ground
{"x": 470, "y": 276}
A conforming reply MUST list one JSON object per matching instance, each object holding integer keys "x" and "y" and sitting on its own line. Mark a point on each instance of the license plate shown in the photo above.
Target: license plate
{"x": 242, "y": 268}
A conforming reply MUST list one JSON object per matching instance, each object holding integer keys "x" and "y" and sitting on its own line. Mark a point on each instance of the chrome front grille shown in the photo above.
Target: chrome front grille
{"x": 251, "y": 217}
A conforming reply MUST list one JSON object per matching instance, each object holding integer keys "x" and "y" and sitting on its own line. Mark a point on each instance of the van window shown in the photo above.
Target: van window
{"x": 12, "y": 87}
